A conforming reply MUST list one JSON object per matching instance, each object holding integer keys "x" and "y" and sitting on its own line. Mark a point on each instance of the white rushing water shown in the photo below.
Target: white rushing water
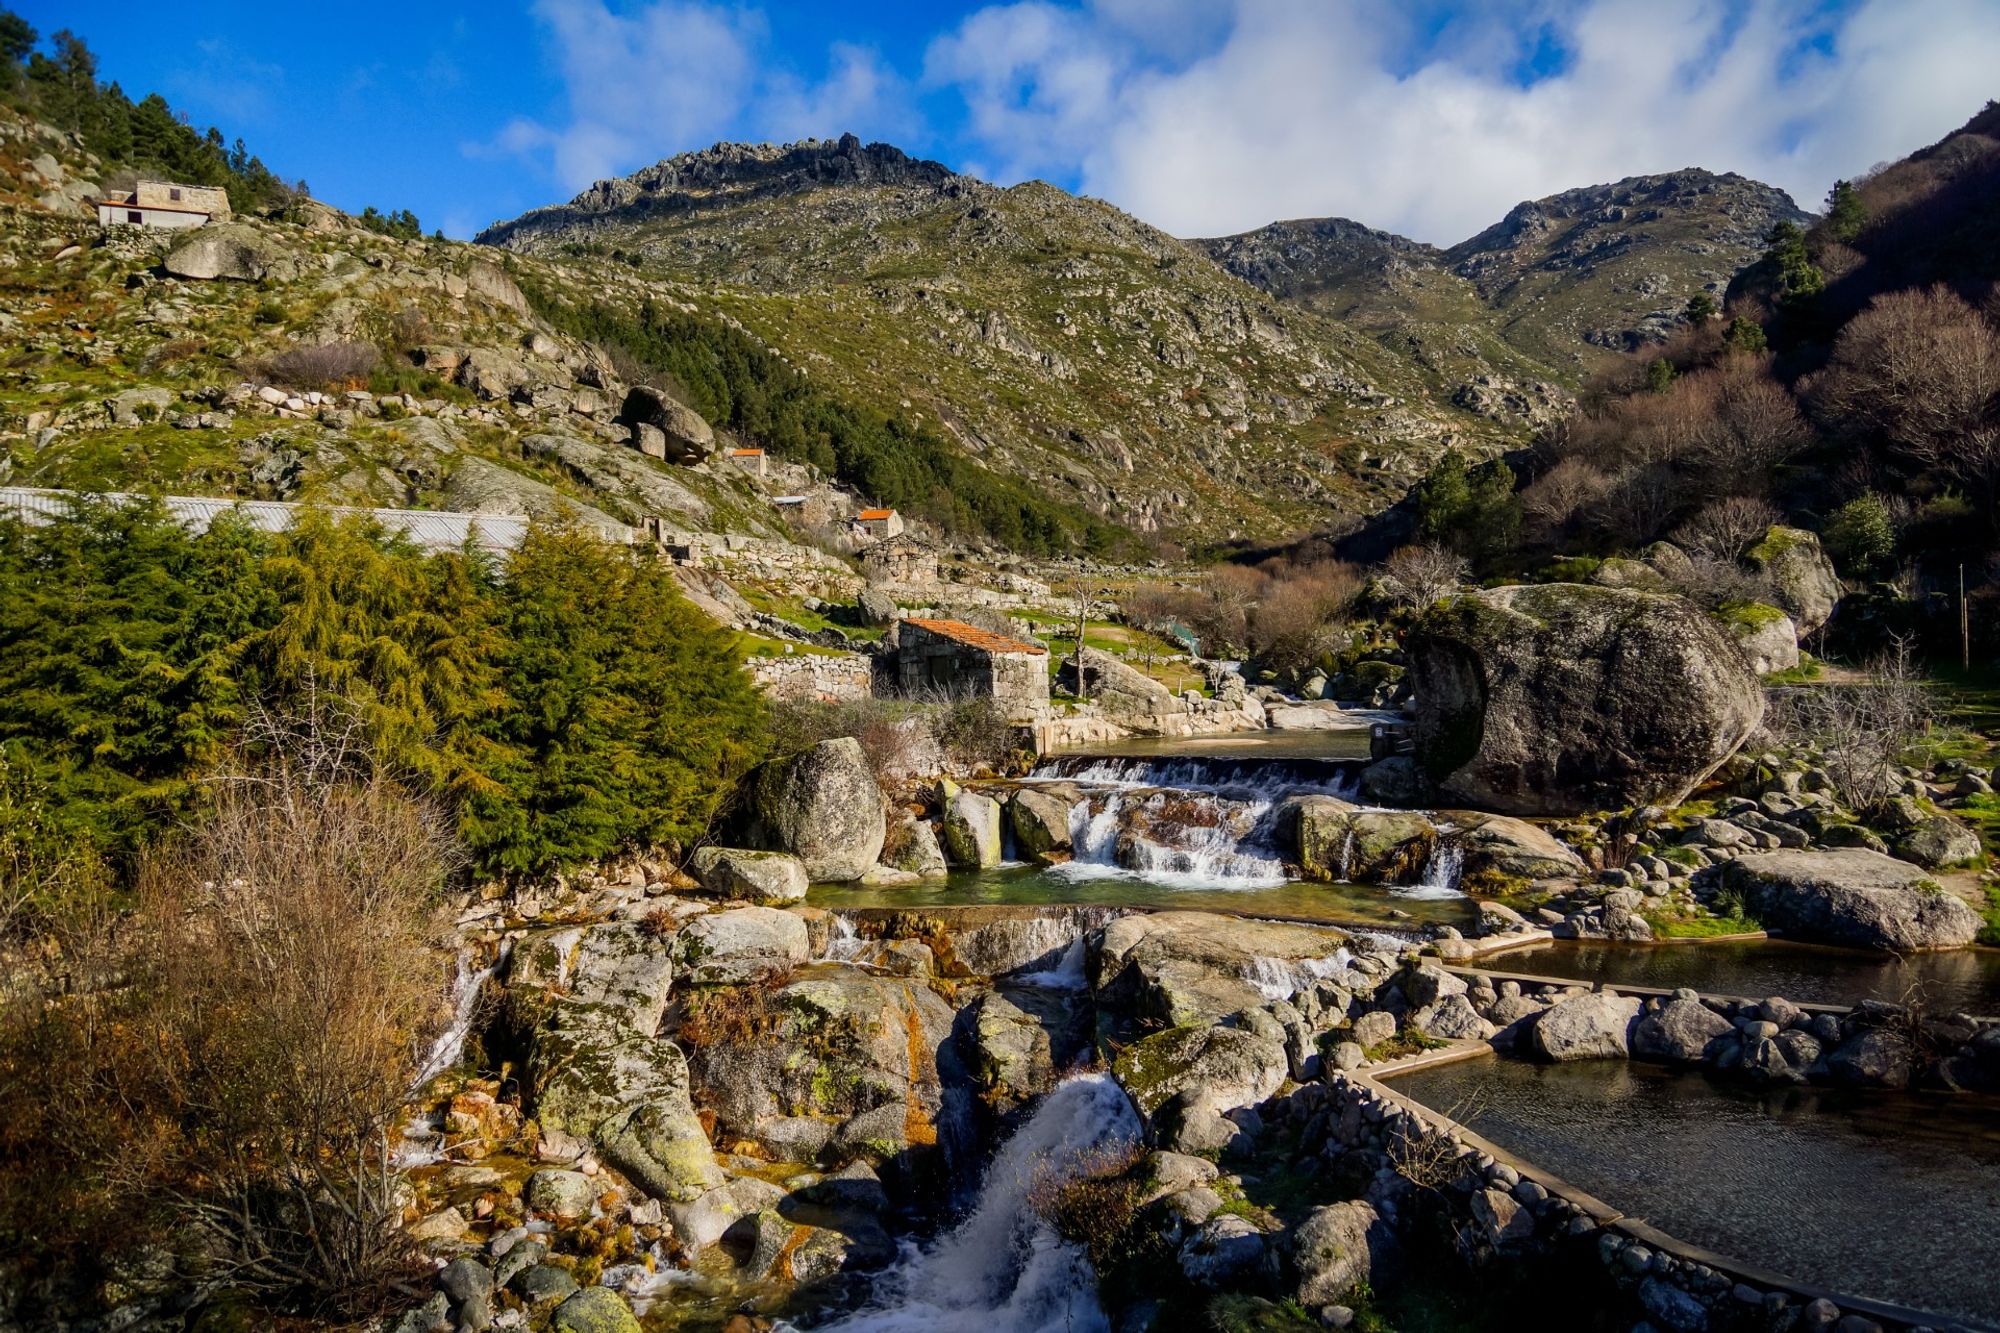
{"x": 1004, "y": 1269}
{"x": 1441, "y": 875}
{"x": 1109, "y": 838}
{"x": 1282, "y": 978}
{"x": 465, "y": 987}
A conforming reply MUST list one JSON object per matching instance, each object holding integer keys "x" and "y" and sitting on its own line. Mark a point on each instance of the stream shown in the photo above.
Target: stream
{"x": 1004, "y": 1269}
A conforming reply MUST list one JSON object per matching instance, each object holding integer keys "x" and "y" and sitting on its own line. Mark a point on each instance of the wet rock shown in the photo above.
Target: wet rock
{"x": 1852, "y": 897}
{"x": 1040, "y": 823}
{"x": 1871, "y": 1058}
{"x": 970, "y": 830}
{"x": 1561, "y": 698}
{"x": 1183, "y": 967}
{"x": 564, "y": 1195}
{"x": 1509, "y": 846}
{"x": 1338, "y": 841}
{"x": 594, "y": 1310}
{"x": 1011, "y": 1051}
{"x": 735, "y": 873}
{"x": 1586, "y": 1027}
{"x": 743, "y": 944}
{"x": 824, "y": 807}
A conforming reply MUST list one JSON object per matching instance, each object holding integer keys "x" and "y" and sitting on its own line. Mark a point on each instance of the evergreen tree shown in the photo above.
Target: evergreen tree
{"x": 1745, "y": 335}
{"x": 1845, "y": 213}
{"x": 1861, "y": 536}
{"x": 1660, "y": 375}
{"x": 1796, "y": 279}
{"x": 1701, "y": 308}
{"x": 1472, "y": 510}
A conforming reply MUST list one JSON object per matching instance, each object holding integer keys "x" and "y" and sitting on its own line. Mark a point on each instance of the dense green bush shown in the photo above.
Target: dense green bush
{"x": 565, "y": 705}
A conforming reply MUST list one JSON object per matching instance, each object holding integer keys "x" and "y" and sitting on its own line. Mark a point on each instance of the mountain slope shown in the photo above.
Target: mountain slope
{"x": 1603, "y": 267}
{"x": 1054, "y": 337}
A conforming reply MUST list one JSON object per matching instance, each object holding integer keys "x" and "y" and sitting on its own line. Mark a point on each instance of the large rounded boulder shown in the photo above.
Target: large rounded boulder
{"x": 824, "y": 807}
{"x": 1851, "y": 897}
{"x": 1803, "y": 580}
{"x": 1560, "y": 698}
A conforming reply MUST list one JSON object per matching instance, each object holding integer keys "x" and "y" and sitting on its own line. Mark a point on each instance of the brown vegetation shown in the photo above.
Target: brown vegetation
{"x": 228, "y": 1067}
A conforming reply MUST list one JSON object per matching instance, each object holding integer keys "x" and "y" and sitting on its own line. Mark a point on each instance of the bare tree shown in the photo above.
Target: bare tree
{"x": 1723, "y": 529}
{"x": 1860, "y": 732}
{"x": 1922, "y": 368}
{"x": 1564, "y": 491}
{"x": 1422, "y": 575}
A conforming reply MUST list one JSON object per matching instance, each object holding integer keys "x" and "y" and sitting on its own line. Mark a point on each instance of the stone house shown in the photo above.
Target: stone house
{"x": 952, "y": 657}
{"x": 163, "y": 204}
{"x": 878, "y": 524}
{"x": 750, "y": 460}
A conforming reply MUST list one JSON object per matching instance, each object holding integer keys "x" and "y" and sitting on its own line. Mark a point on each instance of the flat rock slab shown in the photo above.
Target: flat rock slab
{"x": 1854, "y": 897}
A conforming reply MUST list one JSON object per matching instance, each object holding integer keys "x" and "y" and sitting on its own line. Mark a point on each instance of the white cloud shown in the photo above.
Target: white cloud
{"x": 1327, "y": 107}
{"x": 670, "y": 75}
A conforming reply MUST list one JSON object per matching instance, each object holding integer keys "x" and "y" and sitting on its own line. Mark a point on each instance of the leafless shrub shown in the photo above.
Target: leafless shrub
{"x": 1723, "y": 529}
{"x": 241, "y": 1084}
{"x": 1708, "y": 582}
{"x": 1564, "y": 491}
{"x": 1428, "y": 1155}
{"x": 1860, "y": 732}
{"x": 1300, "y": 614}
{"x": 1421, "y": 576}
{"x": 321, "y": 366}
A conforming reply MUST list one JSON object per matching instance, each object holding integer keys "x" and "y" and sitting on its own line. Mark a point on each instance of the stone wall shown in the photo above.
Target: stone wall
{"x": 829, "y": 678}
{"x": 798, "y": 567}
{"x": 1506, "y": 1210}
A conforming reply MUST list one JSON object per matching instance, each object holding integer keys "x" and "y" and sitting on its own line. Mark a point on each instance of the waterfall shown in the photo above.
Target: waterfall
{"x": 1441, "y": 874}
{"x": 465, "y": 987}
{"x": 1118, "y": 834}
{"x": 1281, "y": 978}
{"x": 1068, "y": 974}
{"x": 1243, "y": 778}
{"x": 1004, "y": 1269}
{"x": 843, "y": 941}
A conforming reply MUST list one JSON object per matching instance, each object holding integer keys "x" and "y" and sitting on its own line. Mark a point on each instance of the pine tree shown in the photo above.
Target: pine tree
{"x": 1845, "y": 213}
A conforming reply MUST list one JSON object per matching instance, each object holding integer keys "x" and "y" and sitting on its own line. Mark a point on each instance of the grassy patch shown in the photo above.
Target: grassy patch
{"x": 1990, "y": 932}
{"x": 1677, "y": 926}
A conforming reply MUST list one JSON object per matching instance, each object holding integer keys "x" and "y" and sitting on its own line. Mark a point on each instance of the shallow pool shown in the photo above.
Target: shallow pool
{"x": 1340, "y": 904}
{"x": 1882, "y": 1195}
{"x": 1963, "y": 981}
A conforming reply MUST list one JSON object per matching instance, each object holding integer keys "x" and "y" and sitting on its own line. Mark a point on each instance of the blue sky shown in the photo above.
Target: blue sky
{"x": 1201, "y": 116}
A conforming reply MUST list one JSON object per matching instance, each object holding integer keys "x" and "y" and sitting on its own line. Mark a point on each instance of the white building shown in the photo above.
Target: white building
{"x": 163, "y": 204}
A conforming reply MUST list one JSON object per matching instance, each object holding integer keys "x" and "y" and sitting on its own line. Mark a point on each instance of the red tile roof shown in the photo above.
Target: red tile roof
{"x": 869, "y": 514}
{"x": 974, "y": 637}
{"x": 746, "y": 453}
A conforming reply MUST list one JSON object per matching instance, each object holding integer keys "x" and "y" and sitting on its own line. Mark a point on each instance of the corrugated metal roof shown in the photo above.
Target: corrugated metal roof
{"x": 429, "y": 529}
{"x": 974, "y": 637}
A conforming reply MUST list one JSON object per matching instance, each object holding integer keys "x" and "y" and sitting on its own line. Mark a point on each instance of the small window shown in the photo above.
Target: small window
{"x": 174, "y": 194}
{"x": 134, "y": 215}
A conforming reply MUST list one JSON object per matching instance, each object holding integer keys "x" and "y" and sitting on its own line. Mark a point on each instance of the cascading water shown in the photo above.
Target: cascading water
{"x": 465, "y": 987}
{"x": 1183, "y": 839}
{"x": 1004, "y": 1269}
{"x": 1442, "y": 873}
{"x": 1281, "y": 978}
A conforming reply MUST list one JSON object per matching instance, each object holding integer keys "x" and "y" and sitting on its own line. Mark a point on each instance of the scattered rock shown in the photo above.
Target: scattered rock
{"x": 1586, "y": 1027}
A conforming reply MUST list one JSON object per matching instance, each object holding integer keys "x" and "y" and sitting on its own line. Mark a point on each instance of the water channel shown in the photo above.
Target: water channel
{"x": 1875, "y": 1194}
{"x": 1959, "y": 981}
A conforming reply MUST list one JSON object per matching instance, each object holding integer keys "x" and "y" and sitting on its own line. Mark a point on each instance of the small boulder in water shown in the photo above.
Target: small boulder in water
{"x": 1587, "y": 1027}
{"x": 971, "y": 830}
{"x": 1039, "y": 818}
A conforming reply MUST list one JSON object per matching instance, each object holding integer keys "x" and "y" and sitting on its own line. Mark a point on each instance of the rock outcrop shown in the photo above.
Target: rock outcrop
{"x": 1802, "y": 577}
{"x": 1561, "y": 698}
{"x": 1854, "y": 897}
{"x": 823, "y": 807}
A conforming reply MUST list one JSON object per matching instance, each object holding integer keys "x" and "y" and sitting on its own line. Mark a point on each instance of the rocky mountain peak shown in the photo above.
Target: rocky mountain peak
{"x": 1747, "y": 208}
{"x": 726, "y": 175}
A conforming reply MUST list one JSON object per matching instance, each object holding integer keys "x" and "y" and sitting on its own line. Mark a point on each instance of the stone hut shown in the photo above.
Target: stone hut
{"x": 878, "y": 524}
{"x": 952, "y": 657}
{"x": 163, "y": 204}
{"x": 901, "y": 562}
{"x": 749, "y": 460}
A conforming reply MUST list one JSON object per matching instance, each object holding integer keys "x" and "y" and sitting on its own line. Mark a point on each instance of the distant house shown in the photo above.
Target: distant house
{"x": 750, "y": 460}
{"x": 952, "y": 657}
{"x": 878, "y": 524}
{"x": 163, "y": 204}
